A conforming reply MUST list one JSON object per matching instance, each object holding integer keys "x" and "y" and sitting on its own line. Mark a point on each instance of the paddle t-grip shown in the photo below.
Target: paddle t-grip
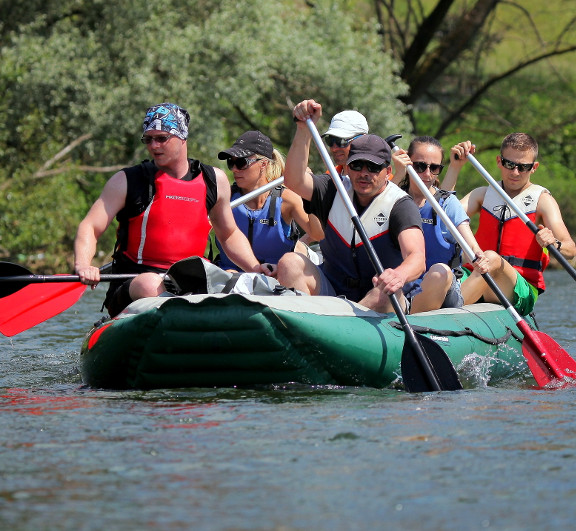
{"x": 391, "y": 141}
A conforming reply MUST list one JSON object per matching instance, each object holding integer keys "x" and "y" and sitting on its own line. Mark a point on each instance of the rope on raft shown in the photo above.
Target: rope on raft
{"x": 458, "y": 333}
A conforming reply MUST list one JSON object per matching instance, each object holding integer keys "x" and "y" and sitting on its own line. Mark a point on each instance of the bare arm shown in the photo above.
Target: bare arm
{"x": 233, "y": 241}
{"x": 412, "y": 247}
{"x": 98, "y": 219}
{"x": 401, "y": 160}
{"x": 468, "y": 236}
{"x": 472, "y": 202}
{"x": 293, "y": 209}
{"x": 553, "y": 227}
{"x": 296, "y": 176}
{"x": 458, "y": 154}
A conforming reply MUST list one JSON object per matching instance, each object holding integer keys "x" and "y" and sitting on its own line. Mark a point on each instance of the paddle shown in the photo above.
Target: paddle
{"x": 14, "y": 277}
{"x": 425, "y": 366}
{"x": 27, "y": 300}
{"x": 529, "y": 223}
{"x": 255, "y": 193}
{"x": 548, "y": 361}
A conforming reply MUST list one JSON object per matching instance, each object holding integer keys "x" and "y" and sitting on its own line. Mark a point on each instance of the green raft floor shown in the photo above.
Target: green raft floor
{"x": 247, "y": 340}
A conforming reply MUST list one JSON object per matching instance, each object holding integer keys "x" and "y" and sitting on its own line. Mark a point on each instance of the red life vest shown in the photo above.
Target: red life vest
{"x": 501, "y": 230}
{"x": 173, "y": 226}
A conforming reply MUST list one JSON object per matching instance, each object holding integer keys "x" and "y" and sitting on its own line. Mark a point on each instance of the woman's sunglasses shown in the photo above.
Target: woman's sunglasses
{"x": 435, "y": 169}
{"x": 241, "y": 163}
{"x": 339, "y": 142}
{"x": 161, "y": 139}
{"x": 509, "y": 165}
{"x": 372, "y": 167}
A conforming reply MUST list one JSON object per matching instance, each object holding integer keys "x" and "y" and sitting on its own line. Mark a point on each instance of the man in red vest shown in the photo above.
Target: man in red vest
{"x": 165, "y": 209}
{"x": 518, "y": 256}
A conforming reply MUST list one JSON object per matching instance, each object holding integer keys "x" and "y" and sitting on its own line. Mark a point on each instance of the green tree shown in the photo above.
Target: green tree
{"x": 77, "y": 77}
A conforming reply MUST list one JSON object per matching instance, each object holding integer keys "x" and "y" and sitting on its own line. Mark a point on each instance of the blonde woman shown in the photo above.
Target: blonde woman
{"x": 271, "y": 220}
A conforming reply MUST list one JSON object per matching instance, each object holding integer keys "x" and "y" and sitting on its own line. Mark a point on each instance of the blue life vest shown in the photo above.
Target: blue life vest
{"x": 268, "y": 234}
{"x": 438, "y": 250}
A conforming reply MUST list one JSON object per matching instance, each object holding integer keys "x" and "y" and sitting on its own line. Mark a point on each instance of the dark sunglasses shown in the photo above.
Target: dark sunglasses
{"x": 435, "y": 169}
{"x": 161, "y": 139}
{"x": 340, "y": 142}
{"x": 372, "y": 167}
{"x": 509, "y": 165}
{"x": 241, "y": 163}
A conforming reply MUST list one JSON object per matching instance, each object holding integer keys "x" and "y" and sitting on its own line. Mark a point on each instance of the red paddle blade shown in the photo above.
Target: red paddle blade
{"x": 550, "y": 364}
{"x": 35, "y": 304}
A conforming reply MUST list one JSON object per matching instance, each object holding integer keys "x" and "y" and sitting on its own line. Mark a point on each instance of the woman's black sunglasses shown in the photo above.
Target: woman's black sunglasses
{"x": 435, "y": 169}
{"x": 241, "y": 163}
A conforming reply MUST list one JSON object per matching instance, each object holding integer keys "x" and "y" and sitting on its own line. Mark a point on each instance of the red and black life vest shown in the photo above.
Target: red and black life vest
{"x": 501, "y": 230}
{"x": 165, "y": 219}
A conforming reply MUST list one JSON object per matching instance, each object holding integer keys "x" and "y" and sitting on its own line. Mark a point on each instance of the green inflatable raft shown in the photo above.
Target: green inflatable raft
{"x": 223, "y": 340}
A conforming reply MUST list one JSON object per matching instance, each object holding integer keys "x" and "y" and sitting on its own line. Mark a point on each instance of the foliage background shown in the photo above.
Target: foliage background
{"x": 77, "y": 76}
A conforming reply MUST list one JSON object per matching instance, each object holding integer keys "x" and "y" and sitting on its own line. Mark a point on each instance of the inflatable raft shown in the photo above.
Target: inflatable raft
{"x": 223, "y": 340}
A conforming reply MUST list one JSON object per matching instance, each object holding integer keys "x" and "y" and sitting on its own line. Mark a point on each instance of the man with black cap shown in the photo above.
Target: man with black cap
{"x": 165, "y": 209}
{"x": 390, "y": 217}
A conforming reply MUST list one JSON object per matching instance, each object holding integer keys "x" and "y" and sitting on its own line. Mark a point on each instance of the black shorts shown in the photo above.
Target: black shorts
{"x": 118, "y": 297}
{"x": 118, "y": 294}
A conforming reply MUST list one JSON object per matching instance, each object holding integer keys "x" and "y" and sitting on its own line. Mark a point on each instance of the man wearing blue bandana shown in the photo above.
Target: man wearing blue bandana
{"x": 165, "y": 208}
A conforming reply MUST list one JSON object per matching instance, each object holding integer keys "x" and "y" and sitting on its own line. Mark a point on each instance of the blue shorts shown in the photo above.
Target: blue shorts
{"x": 326, "y": 287}
{"x": 454, "y": 298}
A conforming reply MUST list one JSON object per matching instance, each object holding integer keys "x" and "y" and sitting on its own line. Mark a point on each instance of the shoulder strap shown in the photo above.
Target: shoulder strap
{"x": 210, "y": 179}
{"x": 140, "y": 190}
{"x": 441, "y": 196}
{"x": 294, "y": 228}
{"x": 275, "y": 193}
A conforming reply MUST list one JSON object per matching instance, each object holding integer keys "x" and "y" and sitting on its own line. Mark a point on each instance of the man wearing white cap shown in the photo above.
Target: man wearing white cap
{"x": 344, "y": 127}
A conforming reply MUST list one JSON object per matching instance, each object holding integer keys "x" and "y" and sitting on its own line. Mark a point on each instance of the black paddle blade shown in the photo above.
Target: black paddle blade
{"x": 414, "y": 374}
{"x": 7, "y": 270}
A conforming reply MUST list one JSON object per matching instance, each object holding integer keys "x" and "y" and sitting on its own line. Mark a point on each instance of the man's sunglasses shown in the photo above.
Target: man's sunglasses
{"x": 241, "y": 163}
{"x": 161, "y": 139}
{"x": 435, "y": 169}
{"x": 509, "y": 165}
{"x": 372, "y": 167}
{"x": 339, "y": 142}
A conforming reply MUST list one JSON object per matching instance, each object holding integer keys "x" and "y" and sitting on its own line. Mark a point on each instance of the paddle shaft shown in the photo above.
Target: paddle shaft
{"x": 521, "y": 323}
{"x": 39, "y": 279}
{"x": 255, "y": 193}
{"x": 529, "y": 223}
{"x": 409, "y": 332}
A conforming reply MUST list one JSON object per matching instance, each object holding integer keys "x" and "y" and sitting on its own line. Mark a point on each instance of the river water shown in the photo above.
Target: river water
{"x": 293, "y": 458}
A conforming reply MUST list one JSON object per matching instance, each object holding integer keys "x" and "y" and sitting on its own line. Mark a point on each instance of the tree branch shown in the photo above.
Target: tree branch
{"x": 492, "y": 81}
{"x": 63, "y": 152}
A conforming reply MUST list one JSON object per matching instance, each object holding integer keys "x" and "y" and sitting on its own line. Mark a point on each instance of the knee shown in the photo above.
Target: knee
{"x": 290, "y": 264}
{"x": 146, "y": 285}
{"x": 440, "y": 273}
{"x": 495, "y": 260}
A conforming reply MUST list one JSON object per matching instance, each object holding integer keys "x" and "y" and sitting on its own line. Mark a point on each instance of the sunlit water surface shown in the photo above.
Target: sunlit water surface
{"x": 290, "y": 458}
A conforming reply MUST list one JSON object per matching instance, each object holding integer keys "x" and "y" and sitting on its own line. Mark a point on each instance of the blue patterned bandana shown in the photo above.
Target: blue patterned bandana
{"x": 167, "y": 117}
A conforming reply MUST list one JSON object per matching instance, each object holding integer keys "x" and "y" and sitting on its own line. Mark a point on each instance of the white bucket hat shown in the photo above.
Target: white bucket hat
{"x": 347, "y": 124}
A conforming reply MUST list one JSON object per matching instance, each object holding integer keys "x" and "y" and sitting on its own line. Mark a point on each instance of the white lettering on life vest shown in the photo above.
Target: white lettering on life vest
{"x": 181, "y": 198}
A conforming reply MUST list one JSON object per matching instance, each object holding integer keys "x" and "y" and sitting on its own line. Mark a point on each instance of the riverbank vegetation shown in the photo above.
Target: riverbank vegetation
{"x": 77, "y": 77}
